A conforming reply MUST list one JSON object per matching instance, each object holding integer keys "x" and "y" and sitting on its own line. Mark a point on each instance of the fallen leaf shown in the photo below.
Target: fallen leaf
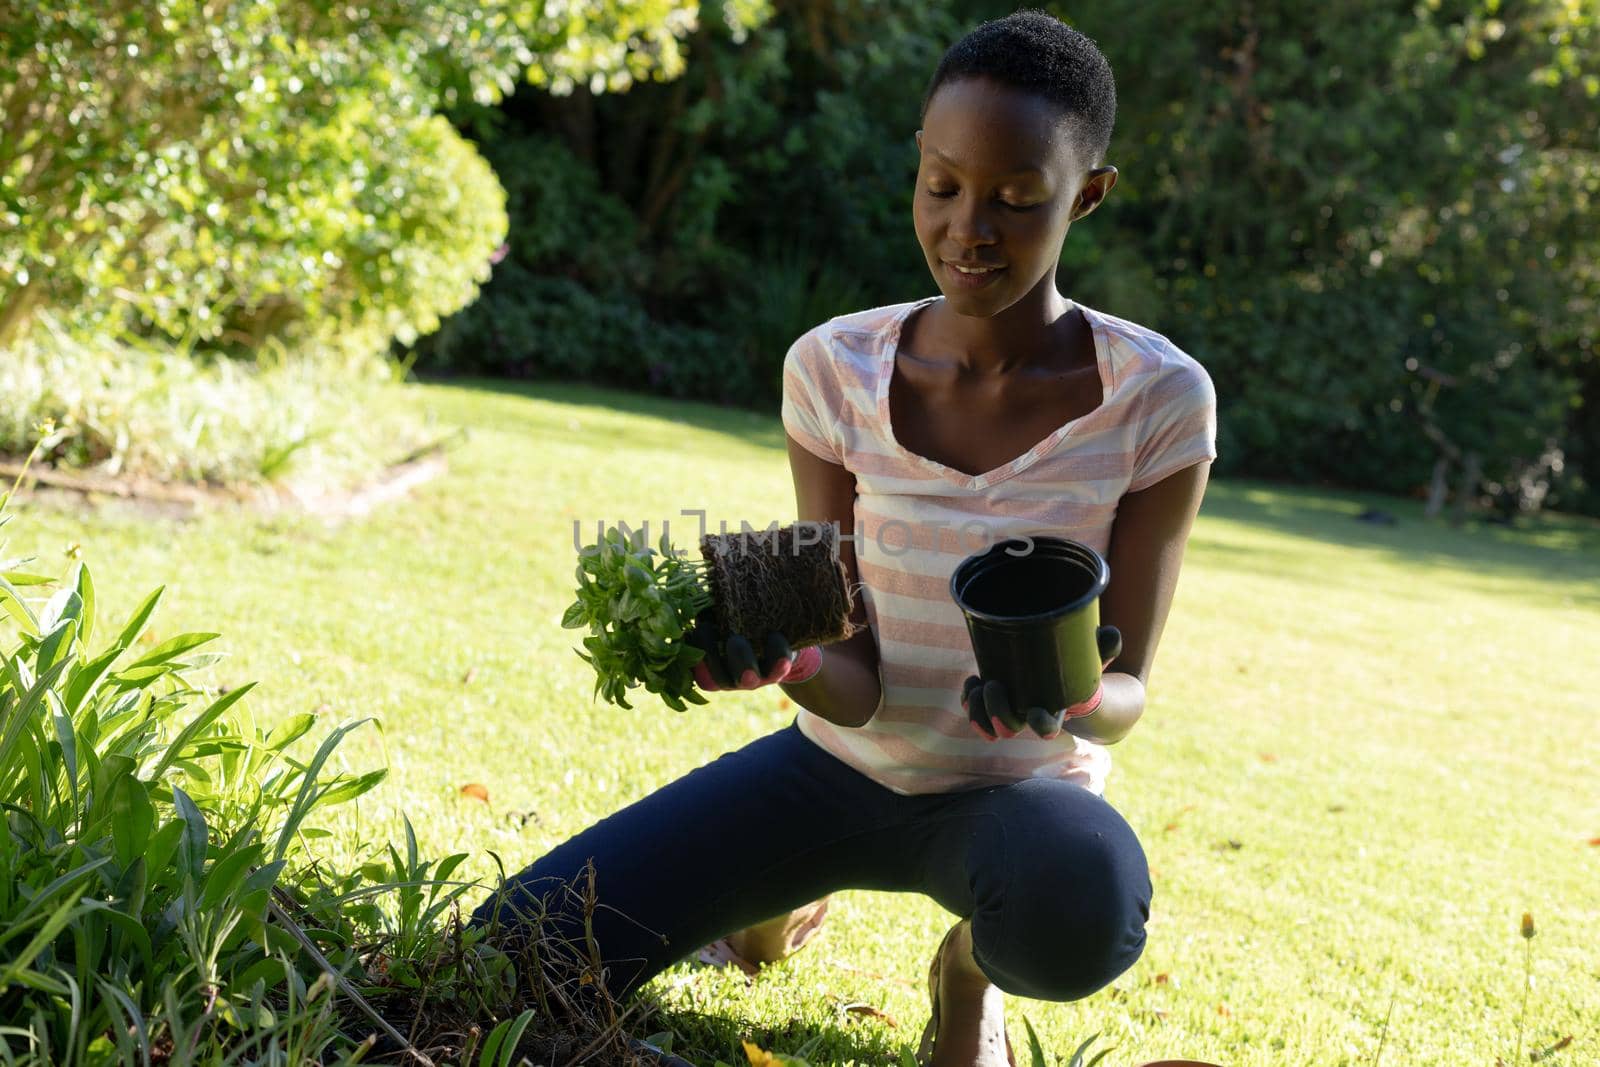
{"x": 1230, "y": 843}
{"x": 861, "y": 1007}
{"x": 784, "y": 704}
{"x": 760, "y": 1057}
{"x": 1162, "y": 979}
{"x": 1551, "y": 1050}
{"x": 1335, "y": 808}
{"x": 1186, "y": 809}
{"x": 466, "y": 679}
{"x": 1267, "y": 757}
{"x": 1222, "y": 1010}
{"x": 1594, "y": 841}
{"x": 476, "y": 791}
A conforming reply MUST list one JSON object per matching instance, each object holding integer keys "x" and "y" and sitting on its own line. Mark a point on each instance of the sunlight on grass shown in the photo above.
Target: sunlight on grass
{"x": 1370, "y": 749}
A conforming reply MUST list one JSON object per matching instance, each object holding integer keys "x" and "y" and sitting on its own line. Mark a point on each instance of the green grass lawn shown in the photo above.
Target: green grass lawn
{"x": 1369, "y": 749}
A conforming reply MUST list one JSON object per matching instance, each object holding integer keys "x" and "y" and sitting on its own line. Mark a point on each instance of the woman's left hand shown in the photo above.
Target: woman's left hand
{"x": 989, "y": 710}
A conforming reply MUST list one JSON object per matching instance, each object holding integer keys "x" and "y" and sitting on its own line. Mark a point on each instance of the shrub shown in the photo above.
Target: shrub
{"x": 147, "y": 409}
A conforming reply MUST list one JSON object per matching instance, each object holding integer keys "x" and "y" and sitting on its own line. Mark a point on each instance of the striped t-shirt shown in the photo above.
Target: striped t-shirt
{"x": 1157, "y": 416}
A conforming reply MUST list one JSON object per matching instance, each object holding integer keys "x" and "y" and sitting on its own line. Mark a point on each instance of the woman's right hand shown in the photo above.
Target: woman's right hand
{"x": 732, "y": 663}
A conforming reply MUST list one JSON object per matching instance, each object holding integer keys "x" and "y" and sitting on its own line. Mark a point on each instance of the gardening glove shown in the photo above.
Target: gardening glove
{"x": 989, "y": 710}
{"x": 731, "y": 662}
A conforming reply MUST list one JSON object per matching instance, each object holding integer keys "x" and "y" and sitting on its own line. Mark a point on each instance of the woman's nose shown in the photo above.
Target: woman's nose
{"x": 970, "y": 225}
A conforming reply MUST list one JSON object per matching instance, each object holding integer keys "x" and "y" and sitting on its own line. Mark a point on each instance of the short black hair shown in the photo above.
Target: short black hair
{"x": 1038, "y": 53}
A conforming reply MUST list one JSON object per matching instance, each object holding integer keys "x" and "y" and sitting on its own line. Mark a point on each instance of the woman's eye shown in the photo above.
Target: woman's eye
{"x": 942, "y": 194}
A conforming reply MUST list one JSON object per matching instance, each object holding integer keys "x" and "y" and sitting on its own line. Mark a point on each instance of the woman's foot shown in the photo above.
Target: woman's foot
{"x": 766, "y": 942}
{"x": 968, "y": 1028}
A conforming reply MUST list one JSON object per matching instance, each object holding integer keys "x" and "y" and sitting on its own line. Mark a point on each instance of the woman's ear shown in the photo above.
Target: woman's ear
{"x": 919, "y": 140}
{"x": 1095, "y": 189}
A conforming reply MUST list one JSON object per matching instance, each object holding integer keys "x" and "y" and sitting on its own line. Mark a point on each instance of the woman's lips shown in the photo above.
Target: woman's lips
{"x": 964, "y": 280}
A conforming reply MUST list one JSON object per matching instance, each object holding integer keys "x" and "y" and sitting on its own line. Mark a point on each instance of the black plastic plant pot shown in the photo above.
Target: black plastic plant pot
{"x": 1032, "y": 613}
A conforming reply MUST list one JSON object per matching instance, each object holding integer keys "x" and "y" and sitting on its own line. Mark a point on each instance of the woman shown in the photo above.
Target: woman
{"x": 998, "y": 406}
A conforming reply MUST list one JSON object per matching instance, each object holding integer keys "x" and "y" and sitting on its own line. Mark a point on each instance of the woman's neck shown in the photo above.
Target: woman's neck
{"x": 1028, "y": 333}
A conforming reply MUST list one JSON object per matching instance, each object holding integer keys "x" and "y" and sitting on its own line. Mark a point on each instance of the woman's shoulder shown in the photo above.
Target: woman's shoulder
{"x": 874, "y": 324}
{"x": 1144, "y": 356}
{"x": 856, "y": 340}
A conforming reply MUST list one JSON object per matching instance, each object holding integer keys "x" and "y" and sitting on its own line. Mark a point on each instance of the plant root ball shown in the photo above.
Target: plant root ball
{"x": 789, "y": 580}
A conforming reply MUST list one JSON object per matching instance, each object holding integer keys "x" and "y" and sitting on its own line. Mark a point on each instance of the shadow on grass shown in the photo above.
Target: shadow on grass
{"x": 755, "y": 428}
{"x": 704, "y": 1038}
{"x": 1547, "y": 549}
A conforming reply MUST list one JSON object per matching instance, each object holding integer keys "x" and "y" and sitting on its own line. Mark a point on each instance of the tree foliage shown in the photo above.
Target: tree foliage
{"x": 257, "y": 165}
{"x": 1369, "y": 224}
{"x": 681, "y": 235}
{"x": 1370, "y": 227}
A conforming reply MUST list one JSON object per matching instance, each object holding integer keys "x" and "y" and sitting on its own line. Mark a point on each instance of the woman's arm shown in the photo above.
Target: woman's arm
{"x": 1147, "y": 541}
{"x": 846, "y": 691}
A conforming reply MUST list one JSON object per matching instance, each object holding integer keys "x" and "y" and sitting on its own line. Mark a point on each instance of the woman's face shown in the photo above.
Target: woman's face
{"x": 998, "y": 187}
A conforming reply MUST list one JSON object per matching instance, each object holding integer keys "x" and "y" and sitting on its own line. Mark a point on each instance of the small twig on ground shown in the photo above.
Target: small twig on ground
{"x": 439, "y": 444}
{"x": 1384, "y": 1035}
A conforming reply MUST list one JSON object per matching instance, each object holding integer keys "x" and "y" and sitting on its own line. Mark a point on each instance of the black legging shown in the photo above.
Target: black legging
{"x": 1054, "y": 880}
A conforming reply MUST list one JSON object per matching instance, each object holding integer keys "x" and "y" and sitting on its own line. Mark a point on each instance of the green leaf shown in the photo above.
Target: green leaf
{"x": 1035, "y": 1050}
{"x": 136, "y": 675}
{"x": 64, "y": 604}
{"x": 289, "y": 731}
{"x": 162, "y": 846}
{"x": 270, "y": 972}
{"x": 67, "y": 739}
{"x": 172, "y": 648}
{"x": 24, "y": 578}
{"x": 88, "y": 675}
{"x": 12, "y": 603}
{"x": 132, "y": 816}
{"x": 79, "y": 579}
{"x": 501, "y": 1047}
{"x": 352, "y": 788}
{"x": 57, "y": 644}
{"x": 141, "y": 616}
{"x": 192, "y": 844}
{"x": 226, "y": 875}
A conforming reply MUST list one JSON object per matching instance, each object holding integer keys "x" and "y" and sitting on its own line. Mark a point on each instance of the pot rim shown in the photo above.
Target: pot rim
{"x": 962, "y": 576}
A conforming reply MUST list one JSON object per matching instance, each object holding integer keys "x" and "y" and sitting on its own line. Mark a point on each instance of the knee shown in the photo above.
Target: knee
{"x": 1078, "y": 960}
{"x": 1070, "y": 925}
